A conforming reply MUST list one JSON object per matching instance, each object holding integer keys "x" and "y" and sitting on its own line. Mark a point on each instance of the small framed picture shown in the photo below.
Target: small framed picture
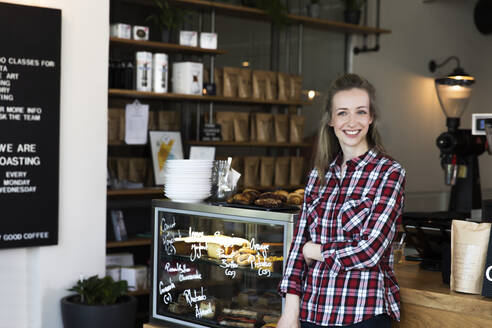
{"x": 164, "y": 145}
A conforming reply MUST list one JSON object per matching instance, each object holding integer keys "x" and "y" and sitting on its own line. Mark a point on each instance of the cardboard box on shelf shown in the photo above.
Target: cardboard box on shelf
{"x": 188, "y": 78}
{"x": 120, "y": 30}
{"x": 119, "y": 259}
{"x": 136, "y": 276}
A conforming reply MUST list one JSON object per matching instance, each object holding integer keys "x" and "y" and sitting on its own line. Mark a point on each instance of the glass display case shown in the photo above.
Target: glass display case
{"x": 217, "y": 266}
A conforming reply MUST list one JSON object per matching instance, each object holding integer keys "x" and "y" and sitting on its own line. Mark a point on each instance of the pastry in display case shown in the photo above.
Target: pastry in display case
{"x": 215, "y": 266}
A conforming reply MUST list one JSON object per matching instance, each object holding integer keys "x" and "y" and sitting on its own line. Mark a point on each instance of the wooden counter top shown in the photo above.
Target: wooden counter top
{"x": 428, "y": 302}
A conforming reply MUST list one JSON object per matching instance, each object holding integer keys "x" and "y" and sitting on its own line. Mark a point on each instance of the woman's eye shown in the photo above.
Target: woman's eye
{"x": 341, "y": 113}
{"x": 362, "y": 112}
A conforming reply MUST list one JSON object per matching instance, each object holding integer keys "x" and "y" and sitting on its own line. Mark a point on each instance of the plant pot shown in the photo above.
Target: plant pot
{"x": 352, "y": 16}
{"x": 314, "y": 10}
{"x": 76, "y": 315}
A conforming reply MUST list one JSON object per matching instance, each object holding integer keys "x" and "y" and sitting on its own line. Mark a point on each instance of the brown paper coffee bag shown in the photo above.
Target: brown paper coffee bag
{"x": 282, "y": 173}
{"x": 226, "y": 121}
{"x": 206, "y": 76}
{"x": 245, "y": 84}
{"x": 113, "y": 167}
{"x": 271, "y": 92}
{"x": 231, "y": 81}
{"x": 266, "y": 171}
{"x": 295, "y": 87}
{"x": 252, "y": 130}
{"x": 123, "y": 166}
{"x": 116, "y": 117}
{"x": 296, "y": 170}
{"x": 281, "y": 123}
{"x": 283, "y": 86}
{"x": 296, "y": 128}
{"x": 264, "y": 127}
{"x": 219, "y": 81}
{"x": 241, "y": 124}
{"x": 137, "y": 169}
{"x": 153, "y": 120}
{"x": 469, "y": 244}
{"x": 251, "y": 171}
{"x": 259, "y": 84}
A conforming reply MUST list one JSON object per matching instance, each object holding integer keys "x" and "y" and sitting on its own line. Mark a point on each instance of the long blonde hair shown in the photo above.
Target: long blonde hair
{"x": 328, "y": 144}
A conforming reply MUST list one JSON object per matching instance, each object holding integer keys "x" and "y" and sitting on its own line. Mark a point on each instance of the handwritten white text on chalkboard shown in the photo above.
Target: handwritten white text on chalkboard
{"x": 181, "y": 268}
{"x": 194, "y": 297}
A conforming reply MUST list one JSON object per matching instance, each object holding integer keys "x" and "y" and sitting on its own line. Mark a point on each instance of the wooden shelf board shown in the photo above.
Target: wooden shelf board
{"x": 257, "y": 14}
{"x": 176, "y": 96}
{"x": 160, "y": 46}
{"x": 247, "y": 144}
{"x": 129, "y": 242}
{"x": 136, "y": 192}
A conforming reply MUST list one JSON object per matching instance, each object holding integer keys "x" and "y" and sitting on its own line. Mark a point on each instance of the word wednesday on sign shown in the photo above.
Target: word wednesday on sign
{"x": 29, "y": 125}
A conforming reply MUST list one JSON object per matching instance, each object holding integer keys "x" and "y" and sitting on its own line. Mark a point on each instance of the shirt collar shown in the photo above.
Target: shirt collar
{"x": 356, "y": 162}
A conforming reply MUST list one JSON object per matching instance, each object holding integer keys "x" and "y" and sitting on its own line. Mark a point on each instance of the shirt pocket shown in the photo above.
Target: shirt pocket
{"x": 353, "y": 213}
{"x": 312, "y": 214}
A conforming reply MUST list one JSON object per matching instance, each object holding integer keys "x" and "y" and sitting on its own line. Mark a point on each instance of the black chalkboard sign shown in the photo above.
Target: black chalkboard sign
{"x": 487, "y": 279}
{"x": 211, "y": 132}
{"x": 30, "y": 44}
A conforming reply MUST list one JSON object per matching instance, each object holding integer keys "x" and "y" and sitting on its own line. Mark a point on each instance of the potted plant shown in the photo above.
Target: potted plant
{"x": 275, "y": 9}
{"x": 99, "y": 303}
{"x": 168, "y": 19}
{"x": 353, "y": 10}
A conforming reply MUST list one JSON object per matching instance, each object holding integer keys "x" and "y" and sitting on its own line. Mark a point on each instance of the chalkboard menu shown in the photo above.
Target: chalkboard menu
{"x": 30, "y": 42}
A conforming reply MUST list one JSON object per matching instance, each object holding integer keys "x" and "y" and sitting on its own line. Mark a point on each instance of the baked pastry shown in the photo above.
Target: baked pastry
{"x": 208, "y": 309}
{"x": 295, "y": 199}
{"x": 270, "y": 325}
{"x": 268, "y": 202}
{"x": 251, "y": 190}
{"x": 245, "y": 199}
{"x": 218, "y": 246}
{"x": 299, "y": 191}
{"x": 282, "y": 193}
{"x": 178, "y": 308}
{"x": 244, "y": 259}
{"x": 240, "y": 313}
{"x": 246, "y": 250}
{"x": 273, "y": 195}
{"x": 237, "y": 324}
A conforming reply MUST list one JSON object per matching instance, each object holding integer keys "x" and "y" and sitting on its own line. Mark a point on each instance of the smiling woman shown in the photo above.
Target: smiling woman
{"x": 339, "y": 271}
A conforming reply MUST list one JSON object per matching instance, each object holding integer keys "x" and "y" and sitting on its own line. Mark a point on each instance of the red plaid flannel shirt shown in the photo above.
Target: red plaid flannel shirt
{"x": 355, "y": 219}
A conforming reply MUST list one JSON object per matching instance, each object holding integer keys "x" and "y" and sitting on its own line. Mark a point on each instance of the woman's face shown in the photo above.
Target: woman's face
{"x": 350, "y": 120}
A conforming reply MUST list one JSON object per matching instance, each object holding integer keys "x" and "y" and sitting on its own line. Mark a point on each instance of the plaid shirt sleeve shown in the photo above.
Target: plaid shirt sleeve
{"x": 295, "y": 267}
{"x": 377, "y": 234}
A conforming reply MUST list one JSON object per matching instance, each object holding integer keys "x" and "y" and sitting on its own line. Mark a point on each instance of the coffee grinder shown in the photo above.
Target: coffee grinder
{"x": 459, "y": 148}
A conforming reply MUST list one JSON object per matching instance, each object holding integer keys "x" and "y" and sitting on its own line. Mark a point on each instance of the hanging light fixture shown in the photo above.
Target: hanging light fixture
{"x": 453, "y": 91}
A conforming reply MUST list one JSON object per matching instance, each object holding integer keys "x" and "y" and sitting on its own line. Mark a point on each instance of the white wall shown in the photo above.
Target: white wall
{"x": 33, "y": 280}
{"x": 410, "y": 111}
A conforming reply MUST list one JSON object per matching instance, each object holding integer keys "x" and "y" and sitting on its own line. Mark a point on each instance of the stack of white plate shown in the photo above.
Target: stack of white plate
{"x": 188, "y": 181}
